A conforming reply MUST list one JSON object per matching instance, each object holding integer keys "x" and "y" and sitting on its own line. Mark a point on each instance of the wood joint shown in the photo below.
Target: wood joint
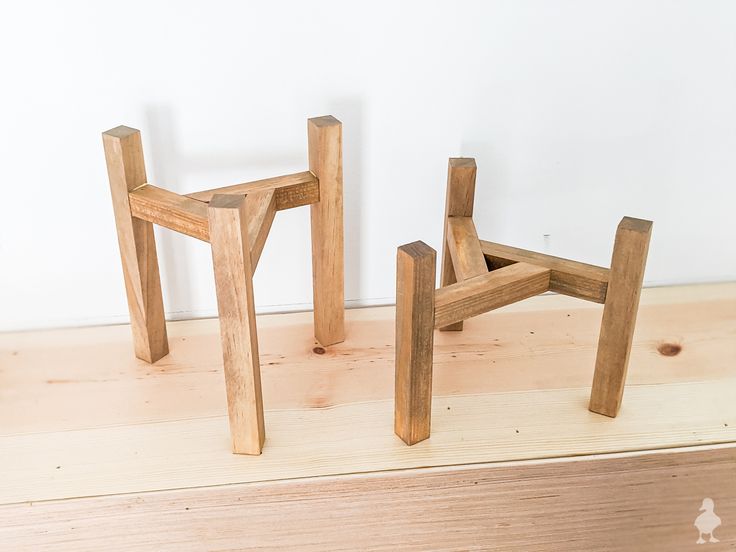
{"x": 464, "y": 247}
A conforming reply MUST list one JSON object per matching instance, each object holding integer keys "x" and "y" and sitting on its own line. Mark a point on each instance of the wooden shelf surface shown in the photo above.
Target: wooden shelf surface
{"x": 83, "y": 421}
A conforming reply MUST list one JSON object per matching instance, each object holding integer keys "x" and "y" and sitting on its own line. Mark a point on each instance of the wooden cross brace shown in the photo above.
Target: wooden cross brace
{"x": 479, "y": 276}
{"x": 236, "y": 221}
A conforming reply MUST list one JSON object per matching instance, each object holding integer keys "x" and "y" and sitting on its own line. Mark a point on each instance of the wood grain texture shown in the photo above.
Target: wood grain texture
{"x": 328, "y": 247}
{"x": 415, "y": 277}
{"x": 105, "y": 423}
{"x": 231, "y": 257}
{"x": 459, "y": 200}
{"x": 170, "y": 210}
{"x": 464, "y": 247}
{"x": 619, "y": 502}
{"x": 260, "y": 210}
{"x": 571, "y": 278}
{"x": 126, "y": 171}
{"x": 291, "y": 190}
{"x": 496, "y": 353}
{"x": 358, "y": 437}
{"x": 491, "y": 291}
{"x": 619, "y": 315}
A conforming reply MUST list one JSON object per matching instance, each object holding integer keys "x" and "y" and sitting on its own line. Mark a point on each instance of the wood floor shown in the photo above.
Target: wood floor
{"x": 99, "y": 450}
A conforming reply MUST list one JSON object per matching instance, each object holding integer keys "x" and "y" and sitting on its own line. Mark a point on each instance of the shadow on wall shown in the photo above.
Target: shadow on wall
{"x": 491, "y": 188}
{"x": 171, "y": 168}
{"x": 165, "y": 164}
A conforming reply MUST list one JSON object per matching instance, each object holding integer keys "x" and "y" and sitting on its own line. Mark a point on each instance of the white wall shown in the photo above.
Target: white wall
{"x": 578, "y": 112}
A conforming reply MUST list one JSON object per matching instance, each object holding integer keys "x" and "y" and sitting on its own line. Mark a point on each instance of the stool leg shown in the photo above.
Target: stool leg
{"x": 234, "y": 286}
{"x": 325, "y": 161}
{"x": 415, "y": 276}
{"x": 459, "y": 201}
{"x": 619, "y": 315}
{"x": 127, "y": 171}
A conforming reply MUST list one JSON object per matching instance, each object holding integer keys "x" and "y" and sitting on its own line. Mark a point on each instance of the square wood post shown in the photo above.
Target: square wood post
{"x": 231, "y": 258}
{"x": 458, "y": 203}
{"x": 126, "y": 171}
{"x": 328, "y": 285}
{"x": 415, "y": 280}
{"x": 619, "y": 315}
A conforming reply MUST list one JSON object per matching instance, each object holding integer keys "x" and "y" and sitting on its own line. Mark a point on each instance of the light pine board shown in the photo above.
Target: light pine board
{"x": 621, "y": 502}
{"x": 79, "y": 416}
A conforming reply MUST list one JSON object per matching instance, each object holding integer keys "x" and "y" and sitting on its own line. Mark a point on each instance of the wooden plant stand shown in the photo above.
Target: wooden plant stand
{"x": 236, "y": 221}
{"x": 479, "y": 276}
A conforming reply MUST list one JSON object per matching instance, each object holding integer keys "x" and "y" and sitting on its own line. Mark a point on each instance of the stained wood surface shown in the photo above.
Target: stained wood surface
{"x": 79, "y": 416}
{"x": 170, "y": 210}
{"x": 459, "y": 200}
{"x": 260, "y": 210}
{"x": 493, "y": 290}
{"x": 415, "y": 277}
{"x": 291, "y": 190}
{"x": 619, "y": 315}
{"x": 622, "y": 502}
{"x": 328, "y": 241}
{"x": 464, "y": 247}
{"x": 126, "y": 172}
{"x": 568, "y": 277}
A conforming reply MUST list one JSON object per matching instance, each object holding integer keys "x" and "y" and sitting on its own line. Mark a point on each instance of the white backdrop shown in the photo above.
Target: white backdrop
{"x": 578, "y": 112}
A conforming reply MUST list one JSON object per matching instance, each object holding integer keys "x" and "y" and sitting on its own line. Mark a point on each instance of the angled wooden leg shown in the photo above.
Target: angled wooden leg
{"x": 619, "y": 315}
{"x": 325, "y": 161}
{"x": 458, "y": 203}
{"x": 231, "y": 258}
{"x": 415, "y": 274}
{"x": 126, "y": 171}
{"x": 464, "y": 247}
{"x": 261, "y": 209}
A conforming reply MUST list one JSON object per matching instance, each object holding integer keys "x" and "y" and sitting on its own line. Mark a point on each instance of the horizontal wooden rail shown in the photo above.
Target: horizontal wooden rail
{"x": 188, "y": 216}
{"x": 487, "y": 292}
{"x": 572, "y": 278}
{"x": 291, "y": 190}
{"x": 170, "y": 210}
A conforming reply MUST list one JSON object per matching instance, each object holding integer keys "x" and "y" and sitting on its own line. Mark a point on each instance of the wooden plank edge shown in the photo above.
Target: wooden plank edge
{"x": 291, "y": 190}
{"x": 464, "y": 246}
{"x": 628, "y": 501}
{"x": 260, "y": 211}
{"x": 490, "y": 291}
{"x": 170, "y": 210}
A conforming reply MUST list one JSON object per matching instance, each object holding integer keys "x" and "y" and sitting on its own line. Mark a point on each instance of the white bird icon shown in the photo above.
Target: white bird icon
{"x": 707, "y": 522}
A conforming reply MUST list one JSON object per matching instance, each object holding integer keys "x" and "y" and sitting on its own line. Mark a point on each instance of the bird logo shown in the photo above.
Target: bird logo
{"x": 707, "y": 522}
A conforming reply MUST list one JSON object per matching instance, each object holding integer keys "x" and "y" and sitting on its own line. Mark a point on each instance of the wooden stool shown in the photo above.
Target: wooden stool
{"x": 236, "y": 221}
{"x": 479, "y": 276}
